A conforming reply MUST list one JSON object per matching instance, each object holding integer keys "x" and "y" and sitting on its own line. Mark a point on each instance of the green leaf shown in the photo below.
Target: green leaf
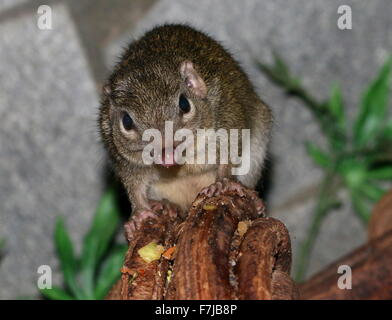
{"x": 55, "y": 294}
{"x": 2, "y": 245}
{"x": 387, "y": 134}
{"x": 66, "y": 256}
{"x": 384, "y": 173}
{"x": 336, "y": 123}
{"x": 335, "y": 106}
{"x": 353, "y": 172}
{"x": 97, "y": 240}
{"x": 372, "y": 114}
{"x": 110, "y": 272}
{"x": 280, "y": 66}
{"x": 283, "y": 71}
{"x": 280, "y": 73}
{"x": 318, "y": 156}
{"x": 360, "y": 206}
{"x": 371, "y": 191}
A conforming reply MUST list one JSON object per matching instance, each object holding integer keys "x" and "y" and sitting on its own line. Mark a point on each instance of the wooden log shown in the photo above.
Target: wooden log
{"x": 371, "y": 264}
{"x": 141, "y": 280}
{"x": 381, "y": 219}
{"x": 371, "y": 267}
{"x": 202, "y": 266}
{"x": 222, "y": 246}
{"x": 265, "y": 261}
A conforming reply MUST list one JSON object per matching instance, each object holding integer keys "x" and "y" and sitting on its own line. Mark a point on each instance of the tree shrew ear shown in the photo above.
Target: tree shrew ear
{"x": 193, "y": 80}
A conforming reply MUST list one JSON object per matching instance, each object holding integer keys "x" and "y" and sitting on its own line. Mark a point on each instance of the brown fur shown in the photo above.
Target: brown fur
{"x": 147, "y": 83}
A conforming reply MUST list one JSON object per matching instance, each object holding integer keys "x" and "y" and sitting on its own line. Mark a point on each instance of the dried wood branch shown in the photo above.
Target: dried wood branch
{"x": 141, "y": 280}
{"x": 371, "y": 264}
{"x": 264, "y": 263}
{"x": 224, "y": 250}
{"x": 381, "y": 219}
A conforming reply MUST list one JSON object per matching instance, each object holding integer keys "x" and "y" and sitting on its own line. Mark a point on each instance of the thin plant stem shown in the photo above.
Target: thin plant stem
{"x": 326, "y": 199}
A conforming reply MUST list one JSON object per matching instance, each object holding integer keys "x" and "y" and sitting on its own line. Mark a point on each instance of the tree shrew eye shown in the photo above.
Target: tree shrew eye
{"x": 127, "y": 121}
{"x": 184, "y": 104}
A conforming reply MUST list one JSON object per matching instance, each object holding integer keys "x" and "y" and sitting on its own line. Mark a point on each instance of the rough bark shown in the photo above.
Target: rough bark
{"x": 141, "y": 280}
{"x": 224, "y": 250}
{"x": 381, "y": 219}
{"x": 264, "y": 263}
{"x": 371, "y": 264}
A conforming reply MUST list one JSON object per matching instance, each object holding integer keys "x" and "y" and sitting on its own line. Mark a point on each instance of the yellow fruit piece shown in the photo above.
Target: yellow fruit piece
{"x": 209, "y": 207}
{"x": 151, "y": 252}
{"x": 169, "y": 276}
{"x": 242, "y": 227}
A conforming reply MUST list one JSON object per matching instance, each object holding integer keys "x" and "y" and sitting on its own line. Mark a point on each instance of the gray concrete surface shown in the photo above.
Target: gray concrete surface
{"x": 7, "y": 4}
{"x": 99, "y": 22}
{"x": 50, "y": 160}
